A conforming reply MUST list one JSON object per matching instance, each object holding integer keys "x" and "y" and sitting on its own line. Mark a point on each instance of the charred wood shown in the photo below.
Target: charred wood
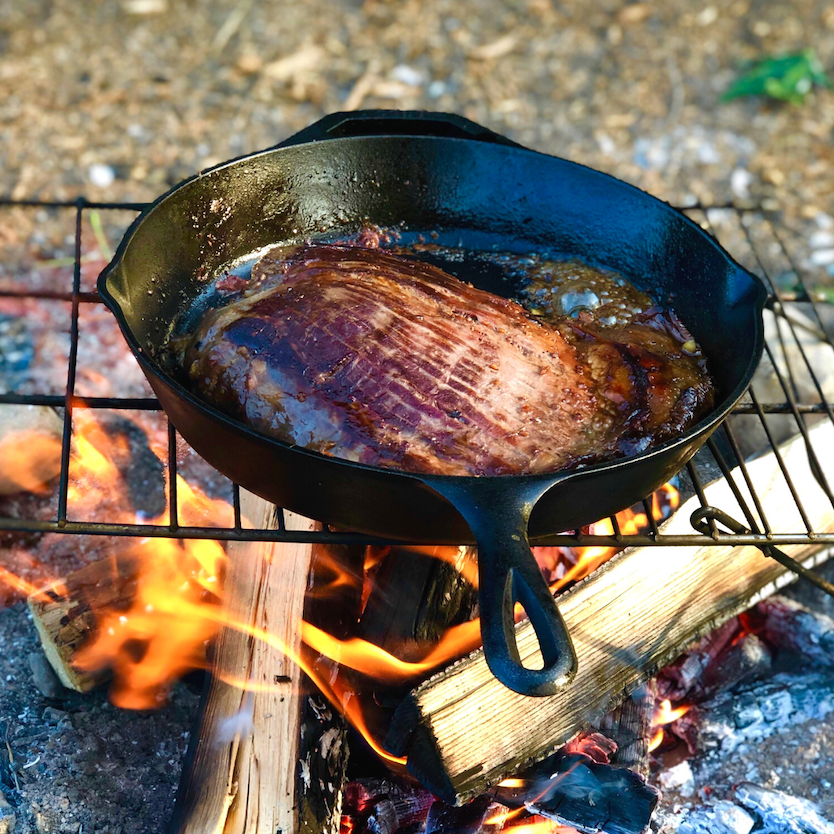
{"x": 574, "y": 790}
{"x": 756, "y": 710}
{"x": 790, "y": 626}
{"x": 383, "y": 806}
{"x": 630, "y": 726}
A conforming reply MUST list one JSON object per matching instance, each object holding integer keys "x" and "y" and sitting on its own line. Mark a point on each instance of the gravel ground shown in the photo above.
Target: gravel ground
{"x": 156, "y": 90}
{"x": 77, "y": 764}
{"x": 120, "y": 100}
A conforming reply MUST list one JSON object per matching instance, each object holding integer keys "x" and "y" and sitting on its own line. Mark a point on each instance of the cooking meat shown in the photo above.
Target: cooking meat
{"x": 390, "y": 361}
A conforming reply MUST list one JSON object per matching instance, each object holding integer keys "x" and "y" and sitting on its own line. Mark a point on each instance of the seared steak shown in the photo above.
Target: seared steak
{"x": 390, "y": 361}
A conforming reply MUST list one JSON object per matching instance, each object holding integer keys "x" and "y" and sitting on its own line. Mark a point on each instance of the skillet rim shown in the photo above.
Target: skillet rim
{"x": 702, "y": 428}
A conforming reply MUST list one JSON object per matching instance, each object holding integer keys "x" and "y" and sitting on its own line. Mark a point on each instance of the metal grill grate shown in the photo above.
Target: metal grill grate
{"x": 723, "y": 448}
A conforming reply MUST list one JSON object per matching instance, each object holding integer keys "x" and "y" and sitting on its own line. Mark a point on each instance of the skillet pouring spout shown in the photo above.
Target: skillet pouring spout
{"x": 497, "y": 511}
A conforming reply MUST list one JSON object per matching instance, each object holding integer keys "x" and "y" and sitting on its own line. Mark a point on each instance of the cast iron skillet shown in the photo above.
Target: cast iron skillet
{"x": 433, "y": 172}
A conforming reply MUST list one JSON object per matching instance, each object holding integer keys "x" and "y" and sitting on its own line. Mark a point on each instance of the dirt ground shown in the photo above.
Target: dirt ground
{"x": 155, "y": 90}
{"x": 121, "y": 100}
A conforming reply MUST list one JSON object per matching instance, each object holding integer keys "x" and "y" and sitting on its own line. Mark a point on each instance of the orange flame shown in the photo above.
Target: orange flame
{"x": 665, "y": 714}
{"x": 540, "y": 825}
{"x": 520, "y": 821}
{"x": 171, "y": 617}
{"x": 177, "y": 607}
{"x": 29, "y": 460}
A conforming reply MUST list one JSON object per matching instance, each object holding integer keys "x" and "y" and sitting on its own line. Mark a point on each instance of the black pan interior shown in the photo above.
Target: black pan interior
{"x": 470, "y": 194}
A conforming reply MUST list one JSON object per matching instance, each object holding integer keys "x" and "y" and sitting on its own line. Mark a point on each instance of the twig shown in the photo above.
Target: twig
{"x": 232, "y": 23}
{"x": 363, "y": 86}
{"x": 11, "y": 760}
{"x": 101, "y": 237}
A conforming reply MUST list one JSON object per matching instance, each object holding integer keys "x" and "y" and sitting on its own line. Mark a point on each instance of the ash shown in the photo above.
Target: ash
{"x": 765, "y": 760}
{"x": 74, "y": 763}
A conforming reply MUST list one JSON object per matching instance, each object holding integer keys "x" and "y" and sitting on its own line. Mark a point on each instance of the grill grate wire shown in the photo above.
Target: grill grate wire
{"x": 762, "y": 531}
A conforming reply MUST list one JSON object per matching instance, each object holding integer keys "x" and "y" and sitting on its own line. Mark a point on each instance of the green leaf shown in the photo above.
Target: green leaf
{"x": 785, "y": 78}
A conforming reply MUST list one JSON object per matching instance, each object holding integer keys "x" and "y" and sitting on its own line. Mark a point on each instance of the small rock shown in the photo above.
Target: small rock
{"x": 740, "y": 181}
{"x": 142, "y": 8}
{"x": 407, "y": 75}
{"x": 54, "y": 716}
{"x": 436, "y": 89}
{"x": 822, "y": 257}
{"x": 821, "y": 239}
{"x": 101, "y": 176}
{"x": 8, "y": 819}
{"x": 44, "y": 677}
{"x": 707, "y": 16}
{"x": 680, "y": 777}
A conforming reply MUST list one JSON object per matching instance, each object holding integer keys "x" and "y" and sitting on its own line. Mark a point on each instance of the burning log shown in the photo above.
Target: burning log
{"x": 463, "y": 731}
{"x": 574, "y": 790}
{"x": 258, "y": 763}
{"x": 64, "y": 618}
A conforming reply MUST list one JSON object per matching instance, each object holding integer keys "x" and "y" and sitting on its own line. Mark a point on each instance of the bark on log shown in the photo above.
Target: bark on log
{"x": 249, "y": 770}
{"x": 463, "y": 731}
{"x": 64, "y": 619}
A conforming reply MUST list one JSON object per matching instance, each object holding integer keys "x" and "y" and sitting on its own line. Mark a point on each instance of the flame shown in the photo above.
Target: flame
{"x": 536, "y": 824}
{"x": 18, "y": 583}
{"x": 177, "y": 606}
{"x": 657, "y": 739}
{"x": 29, "y": 460}
{"x": 164, "y": 631}
{"x": 520, "y": 821}
{"x": 665, "y": 714}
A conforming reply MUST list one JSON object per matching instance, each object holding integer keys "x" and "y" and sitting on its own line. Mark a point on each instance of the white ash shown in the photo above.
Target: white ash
{"x": 764, "y": 812}
{"x": 680, "y": 777}
{"x": 753, "y": 712}
{"x": 779, "y": 812}
{"x": 722, "y": 818}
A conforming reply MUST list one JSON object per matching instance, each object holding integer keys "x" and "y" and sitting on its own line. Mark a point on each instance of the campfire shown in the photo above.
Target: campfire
{"x": 318, "y": 642}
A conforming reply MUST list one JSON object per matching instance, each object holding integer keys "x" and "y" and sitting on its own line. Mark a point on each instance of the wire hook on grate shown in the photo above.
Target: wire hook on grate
{"x": 702, "y": 517}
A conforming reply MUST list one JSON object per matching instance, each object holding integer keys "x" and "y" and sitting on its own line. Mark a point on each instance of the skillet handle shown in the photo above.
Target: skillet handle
{"x": 508, "y": 573}
{"x": 395, "y": 123}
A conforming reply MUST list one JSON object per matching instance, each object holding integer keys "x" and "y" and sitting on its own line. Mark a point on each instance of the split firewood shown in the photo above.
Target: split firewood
{"x": 463, "y": 731}
{"x": 257, "y": 764}
{"x": 64, "y": 617}
{"x": 30, "y": 447}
